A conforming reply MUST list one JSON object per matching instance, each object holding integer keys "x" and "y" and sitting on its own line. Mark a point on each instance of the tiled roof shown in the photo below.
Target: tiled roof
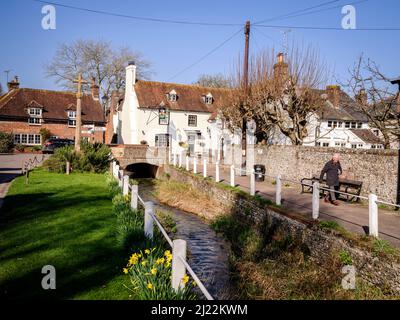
{"x": 367, "y": 136}
{"x": 55, "y": 104}
{"x": 189, "y": 97}
{"x": 346, "y": 111}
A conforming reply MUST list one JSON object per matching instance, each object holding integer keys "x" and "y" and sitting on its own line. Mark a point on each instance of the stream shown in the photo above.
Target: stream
{"x": 208, "y": 252}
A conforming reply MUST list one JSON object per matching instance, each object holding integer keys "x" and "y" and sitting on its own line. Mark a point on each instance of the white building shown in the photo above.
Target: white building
{"x": 182, "y": 117}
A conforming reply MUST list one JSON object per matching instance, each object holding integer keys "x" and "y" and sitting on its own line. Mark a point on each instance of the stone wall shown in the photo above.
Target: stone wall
{"x": 382, "y": 271}
{"x": 377, "y": 169}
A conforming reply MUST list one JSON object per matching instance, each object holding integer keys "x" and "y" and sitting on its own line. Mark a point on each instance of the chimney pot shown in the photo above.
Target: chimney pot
{"x": 334, "y": 95}
{"x": 13, "y": 84}
{"x": 95, "y": 90}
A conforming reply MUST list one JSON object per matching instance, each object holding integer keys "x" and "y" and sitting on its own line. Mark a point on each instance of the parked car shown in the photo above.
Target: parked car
{"x": 51, "y": 144}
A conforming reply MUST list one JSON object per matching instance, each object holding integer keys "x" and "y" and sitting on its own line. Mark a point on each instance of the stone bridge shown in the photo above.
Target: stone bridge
{"x": 140, "y": 161}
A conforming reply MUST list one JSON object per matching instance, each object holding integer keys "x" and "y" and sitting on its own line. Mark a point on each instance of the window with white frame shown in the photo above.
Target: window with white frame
{"x": 347, "y": 124}
{"x": 35, "y": 112}
{"x": 27, "y": 139}
{"x": 35, "y": 121}
{"x": 359, "y": 125}
{"x": 71, "y": 118}
{"x": 172, "y": 96}
{"x": 376, "y": 132}
{"x": 192, "y": 120}
{"x": 208, "y": 99}
{"x": 325, "y": 144}
{"x": 162, "y": 140}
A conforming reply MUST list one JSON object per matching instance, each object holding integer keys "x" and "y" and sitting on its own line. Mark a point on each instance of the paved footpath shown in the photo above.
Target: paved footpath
{"x": 10, "y": 168}
{"x": 352, "y": 216}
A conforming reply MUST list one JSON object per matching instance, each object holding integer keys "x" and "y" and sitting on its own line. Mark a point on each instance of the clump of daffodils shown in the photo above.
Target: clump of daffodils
{"x": 150, "y": 272}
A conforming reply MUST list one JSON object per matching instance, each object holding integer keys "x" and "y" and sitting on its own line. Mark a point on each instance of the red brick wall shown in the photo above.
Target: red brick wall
{"x": 60, "y": 130}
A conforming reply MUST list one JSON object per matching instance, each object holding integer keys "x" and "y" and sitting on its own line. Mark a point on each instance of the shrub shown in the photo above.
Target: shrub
{"x": 45, "y": 134}
{"x": 95, "y": 157}
{"x": 345, "y": 258}
{"x": 150, "y": 274}
{"x": 6, "y": 142}
{"x": 54, "y": 164}
{"x": 20, "y": 147}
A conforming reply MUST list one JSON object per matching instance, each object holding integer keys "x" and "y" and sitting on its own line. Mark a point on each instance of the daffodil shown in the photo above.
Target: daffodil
{"x": 144, "y": 262}
{"x": 185, "y": 279}
{"x": 133, "y": 259}
{"x": 149, "y": 286}
{"x": 125, "y": 270}
{"x": 153, "y": 271}
{"x": 147, "y": 251}
{"x": 167, "y": 264}
{"x": 194, "y": 283}
{"x": 160, "y": 261}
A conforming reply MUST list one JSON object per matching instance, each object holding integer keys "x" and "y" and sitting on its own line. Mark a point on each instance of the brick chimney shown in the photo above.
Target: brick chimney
{"x": 130, "y": 79}
{"x": 281, "y": 68}
{"x": 333, "y": 92}
{"x": 95, "y": 90}
{"x": 13, "y": 84}
{"x": 362, "y": 97}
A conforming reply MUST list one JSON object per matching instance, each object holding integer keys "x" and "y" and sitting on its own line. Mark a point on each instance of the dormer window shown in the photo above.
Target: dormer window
{"x": 208, "y": 99}
{"x": 172, "y": 96}
{"x": 71, "y": 118}
{"x": 35, "y": 116}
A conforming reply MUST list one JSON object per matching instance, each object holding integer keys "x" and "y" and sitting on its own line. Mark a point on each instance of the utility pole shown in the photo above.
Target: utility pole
{"x": 78, "y": 127}
{"x": 245, "y": 84}
{"x": 246, "y": 55}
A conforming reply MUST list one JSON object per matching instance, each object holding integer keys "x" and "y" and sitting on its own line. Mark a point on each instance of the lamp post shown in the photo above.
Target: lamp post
{"x": 397, "y": 81}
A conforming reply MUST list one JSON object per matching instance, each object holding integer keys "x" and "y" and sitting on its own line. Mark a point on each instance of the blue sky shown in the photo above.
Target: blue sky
{"x": 26, "y": 47}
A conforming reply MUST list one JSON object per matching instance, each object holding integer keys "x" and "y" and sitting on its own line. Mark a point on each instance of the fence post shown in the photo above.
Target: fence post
{"x": 125, "y": 185}
{"x": 315, "y": 200}
{"x": 174, "y": 159}
{"x": 116, "y": 171}
{"x": 120, "y": 178}
{"x": 217, "y": 171}
{"x": 187, "y": 163}
{"x": 194, "y": 164}
{"x": 373, "y": 215}
{"x": 148, "y": 219}
{"x": 204, "y": 168}
{"x": 278, "y": 194}
{"x": 178, "y": 268}
{"x": 252, "y": 182}
{"x": 232, "y": 175}
{"x": 134, "y": 196}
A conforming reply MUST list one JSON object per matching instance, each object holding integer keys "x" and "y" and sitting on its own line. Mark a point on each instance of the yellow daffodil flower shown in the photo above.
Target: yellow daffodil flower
{"x": 125, "y": 270}
{"x": 149, "y": 286}
{"x": 147, "y": 251}
{"x": 153, "y": 271}
{"x": 185, "y": 279}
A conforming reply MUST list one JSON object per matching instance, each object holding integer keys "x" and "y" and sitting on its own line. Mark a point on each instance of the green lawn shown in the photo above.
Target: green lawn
{"x": 67, "y": 222}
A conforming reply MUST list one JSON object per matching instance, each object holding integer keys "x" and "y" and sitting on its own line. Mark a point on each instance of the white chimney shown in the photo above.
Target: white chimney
{"x": 130, "y": 75}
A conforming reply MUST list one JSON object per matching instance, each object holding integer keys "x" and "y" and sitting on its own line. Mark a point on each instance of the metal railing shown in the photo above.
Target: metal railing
{"x": 179, "y": 246}
{"x": 372, "y": 199}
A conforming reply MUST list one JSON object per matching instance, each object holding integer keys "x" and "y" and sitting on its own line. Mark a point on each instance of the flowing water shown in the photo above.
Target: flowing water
{"x": 208, "y": 252}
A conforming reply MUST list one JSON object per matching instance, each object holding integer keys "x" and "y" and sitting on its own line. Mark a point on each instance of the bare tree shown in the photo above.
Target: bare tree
{"x": 213, "y": 80}
{"x": 375, "y": 99}
{"x": 95, "y": 59}
{"x": 280, "y": 95}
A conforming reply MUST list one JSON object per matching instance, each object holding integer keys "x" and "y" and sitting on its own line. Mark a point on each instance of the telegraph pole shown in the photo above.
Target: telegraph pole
{"x": 78, "y": 127}
{"x": 246, "y": 55}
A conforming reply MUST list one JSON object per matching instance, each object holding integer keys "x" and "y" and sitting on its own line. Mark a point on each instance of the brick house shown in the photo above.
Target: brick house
{"x": 25, "y": 111}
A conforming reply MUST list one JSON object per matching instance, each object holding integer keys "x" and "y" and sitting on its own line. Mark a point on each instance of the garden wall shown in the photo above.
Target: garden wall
{"x": 377, "y": 169}
{"x": 376, "y": 269}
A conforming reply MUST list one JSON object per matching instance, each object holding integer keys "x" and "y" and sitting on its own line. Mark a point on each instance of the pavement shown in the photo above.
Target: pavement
{"x": 352, "y": 216}
{"x": 10, "y": 168}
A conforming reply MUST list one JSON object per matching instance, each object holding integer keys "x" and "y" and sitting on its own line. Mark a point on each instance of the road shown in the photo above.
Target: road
{"x": 10, "y": 167}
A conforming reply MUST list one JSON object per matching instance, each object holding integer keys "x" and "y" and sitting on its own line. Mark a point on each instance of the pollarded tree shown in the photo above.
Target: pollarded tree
{"x": 213, "y": 80}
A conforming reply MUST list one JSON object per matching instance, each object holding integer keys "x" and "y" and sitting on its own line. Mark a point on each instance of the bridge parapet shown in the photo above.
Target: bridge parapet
{"x": 127, "y": 154}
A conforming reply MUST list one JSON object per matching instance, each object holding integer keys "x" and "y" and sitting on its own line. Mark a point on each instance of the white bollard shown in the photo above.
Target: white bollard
{"x": 278, "y": 193}
{"x": 148, "y": 219}
{"x": 180, "y": 160}
{"x": 187, "y": 163}
{"x": 174, "y": 159}
{"x": 373, "y": 215}
{"x": 195, "y": 165}
{"x": 125, "y": 185}
{"x": 217, "y": 171}
{"x": 252, "y": 182}
{"x": 178, "y": 268}
{"x": 204, "y": 168}
{"x": 116, "y": 171}
{"x": 315, "y": 201}
{"x": 232, "y": 175}
{"x": 134, "y": 197}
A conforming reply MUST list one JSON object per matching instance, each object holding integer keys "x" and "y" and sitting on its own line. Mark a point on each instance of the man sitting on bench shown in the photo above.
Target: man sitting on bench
{"x": 332, "y": 169}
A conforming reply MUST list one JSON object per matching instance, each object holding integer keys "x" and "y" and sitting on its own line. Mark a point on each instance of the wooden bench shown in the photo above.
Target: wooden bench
{"x": 352, "y": 187}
